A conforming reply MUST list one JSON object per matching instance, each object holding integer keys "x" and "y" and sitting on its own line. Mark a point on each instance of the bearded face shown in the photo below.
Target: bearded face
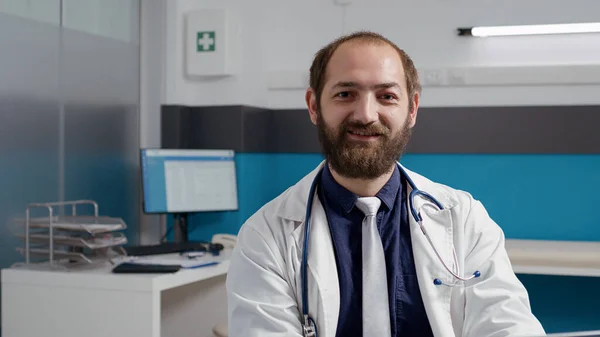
{"x": 364, "y": 112}
{"x": 362, "y": 151}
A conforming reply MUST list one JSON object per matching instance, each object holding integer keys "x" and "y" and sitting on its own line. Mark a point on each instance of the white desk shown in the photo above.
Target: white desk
{"x": 566, "y": 258}
{"x": 97, "y": 303}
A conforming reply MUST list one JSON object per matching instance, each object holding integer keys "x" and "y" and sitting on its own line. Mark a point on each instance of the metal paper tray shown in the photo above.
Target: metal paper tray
{"x": 92, "y": 243}
{"x": 58, "y": 254}
{"x": 81, "y": 223}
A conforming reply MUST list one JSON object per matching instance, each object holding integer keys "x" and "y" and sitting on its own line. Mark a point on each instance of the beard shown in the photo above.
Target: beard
{"x": 362, "y": 160}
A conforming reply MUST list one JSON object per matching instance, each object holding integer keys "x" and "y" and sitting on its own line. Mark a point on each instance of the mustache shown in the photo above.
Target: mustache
{"x": 371, "y": 128}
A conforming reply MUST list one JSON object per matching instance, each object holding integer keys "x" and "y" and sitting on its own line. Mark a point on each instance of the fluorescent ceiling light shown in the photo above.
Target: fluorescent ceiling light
{"x": 569, "y": 28}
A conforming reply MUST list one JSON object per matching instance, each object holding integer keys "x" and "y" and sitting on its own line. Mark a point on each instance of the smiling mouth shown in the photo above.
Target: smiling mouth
{"x": 363, "y": 135}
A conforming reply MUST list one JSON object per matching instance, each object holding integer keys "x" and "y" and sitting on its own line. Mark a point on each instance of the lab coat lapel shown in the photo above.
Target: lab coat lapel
{"x": 322, "y": 278}
{"x": 323, "y": 284}
{"x": 436, "y": 298}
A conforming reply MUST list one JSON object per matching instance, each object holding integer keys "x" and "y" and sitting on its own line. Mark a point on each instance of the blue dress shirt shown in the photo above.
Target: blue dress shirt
{"x": 407, "y": 313}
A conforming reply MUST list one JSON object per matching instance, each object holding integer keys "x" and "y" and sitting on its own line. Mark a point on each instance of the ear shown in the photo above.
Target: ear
{"x": 311, "y": 103}
{"x": 415, "y": 107}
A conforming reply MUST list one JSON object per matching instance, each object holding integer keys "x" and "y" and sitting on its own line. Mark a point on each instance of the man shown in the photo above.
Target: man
{"x": 372, "y": 272}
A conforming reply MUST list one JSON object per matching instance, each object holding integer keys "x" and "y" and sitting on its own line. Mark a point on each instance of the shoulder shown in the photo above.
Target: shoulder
{"x": 451, "y": 197}
{"x": 281, "y": 215}
{"x": 470, "y": 217}
{"x": 266, "y": 237}
{"x": 472, "y": 225}
{"x": 267, "y": 215}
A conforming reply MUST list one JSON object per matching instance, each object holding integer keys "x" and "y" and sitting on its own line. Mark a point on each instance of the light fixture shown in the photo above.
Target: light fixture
{"x": 568, "y": 28}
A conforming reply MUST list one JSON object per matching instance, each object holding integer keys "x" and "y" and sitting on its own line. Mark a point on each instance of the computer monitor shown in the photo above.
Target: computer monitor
{"x": 182, "y": 181}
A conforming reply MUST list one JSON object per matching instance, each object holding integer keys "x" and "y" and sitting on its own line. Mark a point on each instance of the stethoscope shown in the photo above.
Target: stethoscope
{"x": 309, "y": 328}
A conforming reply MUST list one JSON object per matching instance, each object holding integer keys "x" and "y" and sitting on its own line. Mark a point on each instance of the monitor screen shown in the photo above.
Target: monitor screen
{"x": 182, "y": 181}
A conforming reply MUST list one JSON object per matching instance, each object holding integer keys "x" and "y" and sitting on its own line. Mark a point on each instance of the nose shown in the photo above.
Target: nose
{"x": 366, "y": 110}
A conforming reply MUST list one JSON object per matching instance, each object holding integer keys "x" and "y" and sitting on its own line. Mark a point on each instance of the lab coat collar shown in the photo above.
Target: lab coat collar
{"x": 294, "y": 207}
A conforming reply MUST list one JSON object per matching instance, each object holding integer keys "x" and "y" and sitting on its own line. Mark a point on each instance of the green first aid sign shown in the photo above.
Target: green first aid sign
{"x": 205, "y": 41}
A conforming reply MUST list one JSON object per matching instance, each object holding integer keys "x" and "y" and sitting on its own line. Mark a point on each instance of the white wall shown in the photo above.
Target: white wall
{"x": 280, "y": 37}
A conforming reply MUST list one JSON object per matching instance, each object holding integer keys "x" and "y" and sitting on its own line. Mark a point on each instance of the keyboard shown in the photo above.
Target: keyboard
{"x": 135, "y": 268}
{"x": 174, "y": 247}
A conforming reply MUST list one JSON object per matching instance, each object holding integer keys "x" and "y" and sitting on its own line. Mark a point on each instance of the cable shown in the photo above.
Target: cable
{"x": 175, "y": 216}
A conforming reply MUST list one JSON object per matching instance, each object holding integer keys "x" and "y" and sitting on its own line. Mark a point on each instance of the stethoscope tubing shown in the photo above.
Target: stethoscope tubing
{"x": 415, "y": 214}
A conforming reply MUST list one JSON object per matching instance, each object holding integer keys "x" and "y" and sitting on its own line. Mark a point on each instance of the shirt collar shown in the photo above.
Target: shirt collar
{"x": 390, "y": 190}
{"x": 347, "y": 199}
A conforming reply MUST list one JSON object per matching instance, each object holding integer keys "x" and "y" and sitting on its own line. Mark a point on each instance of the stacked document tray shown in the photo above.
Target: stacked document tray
{"x": 55, "y": 240}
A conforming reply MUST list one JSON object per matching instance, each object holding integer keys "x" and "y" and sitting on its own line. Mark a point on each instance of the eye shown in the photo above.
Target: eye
{"x": 343, "y": 94}
{"x": 388, "y": 97}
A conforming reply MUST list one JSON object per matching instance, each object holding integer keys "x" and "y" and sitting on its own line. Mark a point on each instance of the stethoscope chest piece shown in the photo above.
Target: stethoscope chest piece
{"x": 308, "y": 327}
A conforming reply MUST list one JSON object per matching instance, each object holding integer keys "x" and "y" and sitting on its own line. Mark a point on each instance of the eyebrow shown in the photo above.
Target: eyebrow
{"x": 385, "y": 85}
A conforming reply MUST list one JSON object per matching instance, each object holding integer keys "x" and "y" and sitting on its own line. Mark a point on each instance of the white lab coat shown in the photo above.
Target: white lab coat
{"x": 264, "y": 285}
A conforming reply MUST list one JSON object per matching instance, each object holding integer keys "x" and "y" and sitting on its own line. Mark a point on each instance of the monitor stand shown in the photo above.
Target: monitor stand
{"x": 182, "y": 242}
{"x": 180, "y": 227}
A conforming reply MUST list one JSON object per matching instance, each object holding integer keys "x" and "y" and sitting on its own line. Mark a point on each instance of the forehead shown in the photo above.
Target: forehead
{"x": 365, "y": 62}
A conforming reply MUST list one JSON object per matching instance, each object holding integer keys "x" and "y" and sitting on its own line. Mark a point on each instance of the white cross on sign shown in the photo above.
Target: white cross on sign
{"x": 205, "y": 41}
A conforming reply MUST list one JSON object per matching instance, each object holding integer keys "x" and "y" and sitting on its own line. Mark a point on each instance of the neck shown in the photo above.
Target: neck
{"x": 363, "y": 187}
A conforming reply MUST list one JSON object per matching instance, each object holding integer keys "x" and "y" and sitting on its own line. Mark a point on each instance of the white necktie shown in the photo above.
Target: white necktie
{"x": 376, "y": 310}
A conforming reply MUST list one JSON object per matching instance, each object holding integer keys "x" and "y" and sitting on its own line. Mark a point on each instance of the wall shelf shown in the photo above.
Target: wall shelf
{"x": 566, "y": 258}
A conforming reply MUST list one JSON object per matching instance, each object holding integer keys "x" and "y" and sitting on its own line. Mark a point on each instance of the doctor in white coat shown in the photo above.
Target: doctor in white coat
{"x": 363, "y": 97}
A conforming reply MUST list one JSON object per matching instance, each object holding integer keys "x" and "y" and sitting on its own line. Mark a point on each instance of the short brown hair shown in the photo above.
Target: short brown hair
{"x": 319, "y": 65}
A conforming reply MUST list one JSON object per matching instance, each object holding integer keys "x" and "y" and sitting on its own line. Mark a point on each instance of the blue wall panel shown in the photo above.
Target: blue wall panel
{"x": 546, "y": 197}
{"x": 550, "y": 197}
